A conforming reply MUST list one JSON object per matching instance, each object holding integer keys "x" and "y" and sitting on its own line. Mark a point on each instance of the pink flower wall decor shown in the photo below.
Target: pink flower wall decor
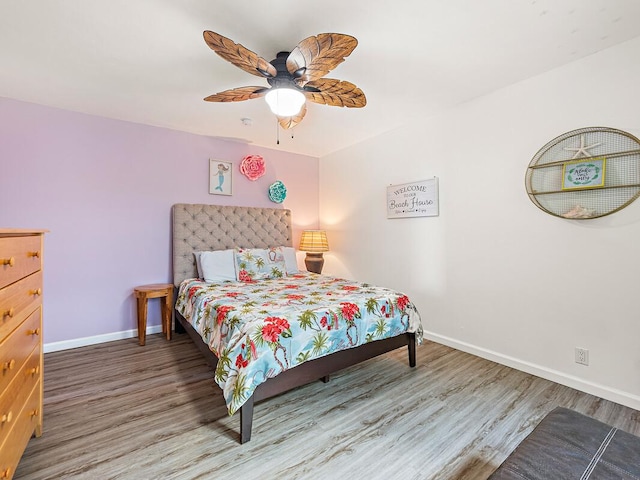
{"x": 252, "y": 166}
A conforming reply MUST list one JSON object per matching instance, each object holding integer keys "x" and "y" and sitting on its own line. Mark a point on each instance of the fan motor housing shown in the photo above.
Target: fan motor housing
{"x": 283, "y": 78}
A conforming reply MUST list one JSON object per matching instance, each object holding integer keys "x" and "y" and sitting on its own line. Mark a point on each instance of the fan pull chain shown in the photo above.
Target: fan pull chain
{"x": 278, "y": 133}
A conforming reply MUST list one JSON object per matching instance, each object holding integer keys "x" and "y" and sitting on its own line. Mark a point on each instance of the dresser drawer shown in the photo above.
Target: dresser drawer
{"x": 17, "y": 301}
{"x": 17, "y": 347}
{"x": 13, "y": 399}
{"x": 19, "y": 256}
{"x": 23, "y": 427}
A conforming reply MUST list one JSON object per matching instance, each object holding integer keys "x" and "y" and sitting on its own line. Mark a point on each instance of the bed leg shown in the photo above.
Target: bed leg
{"x": 179, "y": 327}
{"x": 326, "y": 379}
{"x": 412, "y": 349}
{"x": 246, "y": 420}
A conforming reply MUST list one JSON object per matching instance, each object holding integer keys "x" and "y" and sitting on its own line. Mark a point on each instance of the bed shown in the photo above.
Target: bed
{"x": 268, "y": 303}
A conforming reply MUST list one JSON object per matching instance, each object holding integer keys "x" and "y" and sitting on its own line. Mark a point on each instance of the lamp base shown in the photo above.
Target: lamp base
{"x": 314, "y": 262}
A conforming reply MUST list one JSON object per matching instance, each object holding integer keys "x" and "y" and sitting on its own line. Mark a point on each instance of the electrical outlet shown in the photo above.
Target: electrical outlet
{"x": 582, "y": 356}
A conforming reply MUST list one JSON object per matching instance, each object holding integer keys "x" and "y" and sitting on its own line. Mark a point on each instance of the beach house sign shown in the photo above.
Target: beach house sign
{"x": 416, "y": 199}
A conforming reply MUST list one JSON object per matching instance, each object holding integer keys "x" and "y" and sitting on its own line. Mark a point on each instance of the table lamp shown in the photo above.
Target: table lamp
{"x": 314, "y": 242}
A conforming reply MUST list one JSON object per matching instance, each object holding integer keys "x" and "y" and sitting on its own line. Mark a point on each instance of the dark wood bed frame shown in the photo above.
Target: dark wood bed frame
{"x": 318, "y": 369}
{"x": 259, "y": 228}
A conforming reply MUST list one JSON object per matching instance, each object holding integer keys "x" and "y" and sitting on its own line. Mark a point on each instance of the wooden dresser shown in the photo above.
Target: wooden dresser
{"x": 20, "y": 343}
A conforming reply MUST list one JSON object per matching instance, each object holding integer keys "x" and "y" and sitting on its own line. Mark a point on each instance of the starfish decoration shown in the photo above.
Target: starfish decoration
{"x": 582, "y": 149}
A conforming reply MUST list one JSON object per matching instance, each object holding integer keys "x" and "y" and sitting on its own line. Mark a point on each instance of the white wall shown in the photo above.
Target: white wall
{"x": 494, "y": 275}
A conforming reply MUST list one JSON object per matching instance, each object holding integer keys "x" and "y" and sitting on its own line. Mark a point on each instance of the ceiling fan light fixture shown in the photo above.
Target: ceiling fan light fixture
{"x": 285, "y": 102}
{"x": 293, "y": 77}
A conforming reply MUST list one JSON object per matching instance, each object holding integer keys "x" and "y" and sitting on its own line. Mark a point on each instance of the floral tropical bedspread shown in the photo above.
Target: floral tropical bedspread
{"x": 260, "y": 329}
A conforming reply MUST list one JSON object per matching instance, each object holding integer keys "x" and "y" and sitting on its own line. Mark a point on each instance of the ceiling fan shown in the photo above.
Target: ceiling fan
{"x": 293, "y": 77}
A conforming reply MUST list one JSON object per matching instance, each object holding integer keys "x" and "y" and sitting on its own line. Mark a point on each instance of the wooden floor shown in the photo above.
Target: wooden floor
{"x": 121, "y": 411}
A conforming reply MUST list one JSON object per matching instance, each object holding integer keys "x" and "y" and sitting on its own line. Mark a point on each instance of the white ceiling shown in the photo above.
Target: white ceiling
{"x": 145, "y": 61}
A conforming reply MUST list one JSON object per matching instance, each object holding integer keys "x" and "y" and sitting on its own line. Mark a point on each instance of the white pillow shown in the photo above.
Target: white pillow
{"x": 198, "y": 265}
{"x": 290, "y": 260}
{"x": 218, "y": 266}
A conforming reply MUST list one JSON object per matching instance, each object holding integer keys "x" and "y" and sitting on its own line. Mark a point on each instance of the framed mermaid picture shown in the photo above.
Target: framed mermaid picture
{"x": 220, "y": 177}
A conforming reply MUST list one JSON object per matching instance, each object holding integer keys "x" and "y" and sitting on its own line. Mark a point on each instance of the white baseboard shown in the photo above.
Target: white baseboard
{"x": 608, "y": 393}
{"x": 107, "y": 337}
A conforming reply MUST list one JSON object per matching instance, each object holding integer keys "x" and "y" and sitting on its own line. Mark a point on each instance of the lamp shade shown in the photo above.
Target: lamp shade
{"x": 284, "y": 102}
{"x": 314, "y": 241}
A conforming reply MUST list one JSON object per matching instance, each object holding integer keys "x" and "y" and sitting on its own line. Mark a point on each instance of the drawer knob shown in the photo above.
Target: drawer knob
{"x": 35, "y": 331}
{"x": 8, "y": 365}
{"x": 6, "y": 473}
{"x": 9, "y": 313}
{"x": 34, "y": 254}
{"x": 33, "y": 371}
{"x": 34, "y": 413}
{"x": 6, "y": 418}
{"x": 35, "y": 292}
{"x": 8, "y": 261}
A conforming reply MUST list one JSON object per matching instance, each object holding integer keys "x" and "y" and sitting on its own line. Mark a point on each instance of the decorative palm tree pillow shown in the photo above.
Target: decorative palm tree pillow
{"x": 254, "y": 264}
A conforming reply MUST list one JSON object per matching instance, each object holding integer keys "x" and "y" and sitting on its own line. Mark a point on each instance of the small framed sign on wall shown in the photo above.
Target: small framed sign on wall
{"x": 220, "y": 177}
{"x": 583, "y": 173}
{"x": 415, "y": 199}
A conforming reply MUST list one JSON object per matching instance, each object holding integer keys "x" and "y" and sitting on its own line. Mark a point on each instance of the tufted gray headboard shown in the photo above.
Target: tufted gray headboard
{"x": 215, "y": 227}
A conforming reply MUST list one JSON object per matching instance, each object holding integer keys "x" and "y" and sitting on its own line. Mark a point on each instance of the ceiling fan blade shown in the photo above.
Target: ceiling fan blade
{"x": 290, "y": 122}
{"x": 238, "y": 94}
{"x": 238, "y": 55}
{"x": 318, "y": 55}
{"x": 337, "y": 93}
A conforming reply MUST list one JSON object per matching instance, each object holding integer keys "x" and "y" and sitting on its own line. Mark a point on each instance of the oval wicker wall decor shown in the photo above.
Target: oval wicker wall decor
{"x": 585, "y": 173}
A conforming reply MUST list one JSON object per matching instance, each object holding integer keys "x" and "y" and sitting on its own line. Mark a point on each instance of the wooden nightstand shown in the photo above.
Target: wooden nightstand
{"x": 164, "y": 291}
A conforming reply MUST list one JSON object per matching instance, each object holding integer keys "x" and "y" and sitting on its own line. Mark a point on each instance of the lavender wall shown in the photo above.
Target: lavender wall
{"x": 104, "y": 188}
